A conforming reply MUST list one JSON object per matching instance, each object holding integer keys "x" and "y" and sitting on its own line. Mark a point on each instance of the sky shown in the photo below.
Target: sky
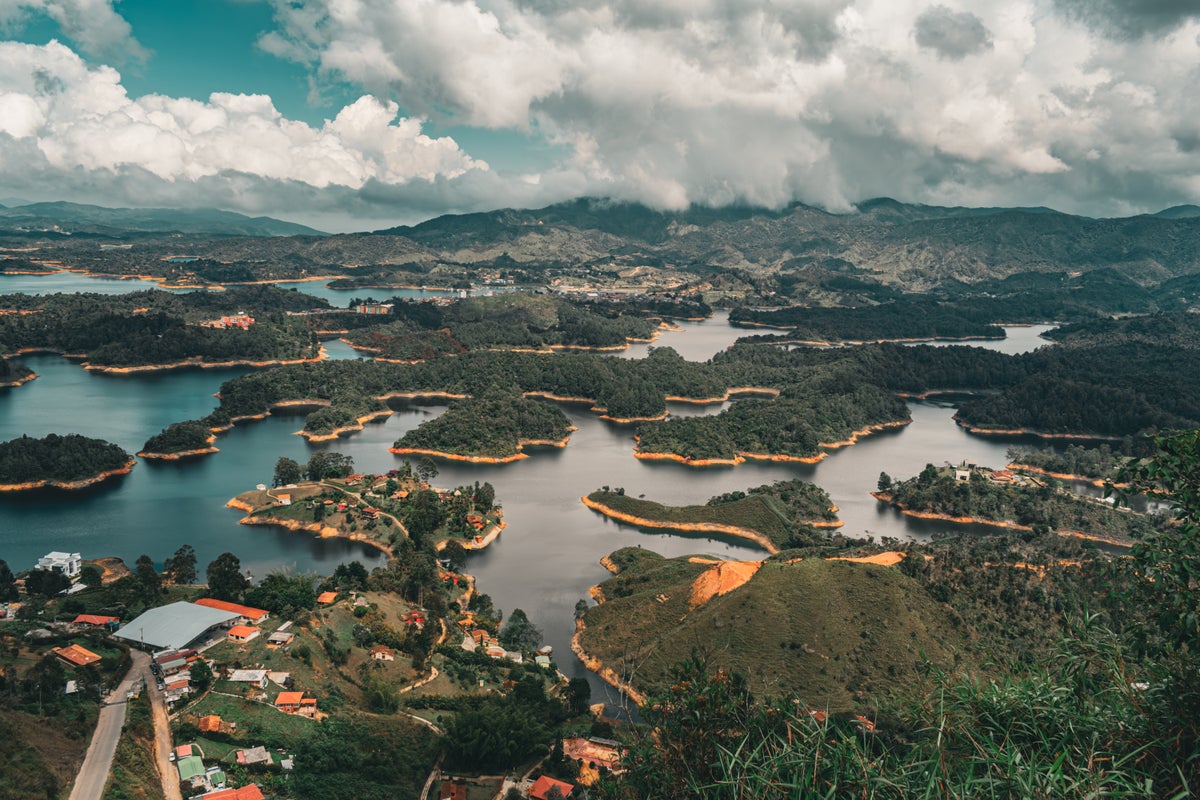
{"x": 362, "y": 114}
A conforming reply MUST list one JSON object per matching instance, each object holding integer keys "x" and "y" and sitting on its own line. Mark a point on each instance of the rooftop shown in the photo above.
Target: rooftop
{"x": 255, "y": 614}
{"x": 79, "y": 656}
{"x": 173, "y": 625}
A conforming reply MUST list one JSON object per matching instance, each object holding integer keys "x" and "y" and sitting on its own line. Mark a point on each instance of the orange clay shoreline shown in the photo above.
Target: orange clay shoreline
{"x": 518, "y": 456}
{"x": 743, "y": 457}
{"x": 884, "y": 497}
{"x": 83, "y": 483}
{"x": 594, "y": 664}
{"x": 194, "y": 362}
{"x": 182, "y": 454}
{"x": 322, "y": 531}
{"x": 1093, "y": 437}
{"x": 696, "y": 527}
{"x": 1064, "y": 476}
{"x": 18, "y": 381}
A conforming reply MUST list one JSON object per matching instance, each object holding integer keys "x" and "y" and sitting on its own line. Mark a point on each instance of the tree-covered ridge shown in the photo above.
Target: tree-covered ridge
{"x": 179, "y": 437}
{"x": 58, "y": 458}
{"x": 783, "y": 512}
{"x": 515, "y": 320}
{"x": 923, "y": 318}
{"x": 1094, "y": 463}
{"x": 1023, "y": 501}
{"x": 494, "y": 425}
{"x": 153, "y": 327}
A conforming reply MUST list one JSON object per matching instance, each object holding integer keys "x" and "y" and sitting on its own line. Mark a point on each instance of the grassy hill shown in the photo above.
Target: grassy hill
{"x": 831, "y": 632}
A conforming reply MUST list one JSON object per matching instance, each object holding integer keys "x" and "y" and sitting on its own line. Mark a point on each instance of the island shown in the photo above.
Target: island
{"x": 59, "y": 462}
{"x": 775, "y": 516}
{"x": 180, "y": 440}
{"x": 13, "y": 374}
{"x": 494, "y": 428}
{"x": 972, "y": 494}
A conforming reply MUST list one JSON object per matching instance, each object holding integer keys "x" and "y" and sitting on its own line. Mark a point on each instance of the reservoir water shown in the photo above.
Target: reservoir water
{"x": 545, "y": 560}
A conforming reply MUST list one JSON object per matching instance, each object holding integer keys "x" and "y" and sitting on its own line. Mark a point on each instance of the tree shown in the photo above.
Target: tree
{"x": 518, "y": 633}
{"x": 225, "y": 579}
{"x": 8, "y": 586}
{"x": 149, "y": 581}
{"x": 46, "y": 582}
{"x": 455, "y": 554}
{"x": 581, "y": 607}
{"x": 287, "y": 471}
{"x": 579, "y": 695}
{"x": 328, "y": 465}
{"x": 485, "y": 497}
{"x": 201, "y": 674}
{"x": 885, "y": 482}
{"x": 90, "y": 575}
{"x": 426, "y": 469}
{"x": 182, "y": 565}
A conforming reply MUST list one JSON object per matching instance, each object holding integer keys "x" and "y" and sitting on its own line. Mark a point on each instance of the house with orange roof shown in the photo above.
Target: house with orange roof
{"x": 383, "y": 653}
{"x": 325, "y": 598}
{"x": 76, "y": 656}
{"x": 95, "y": 620}
{"x": 242, "y": 633}
{"x": 247, "y": 613}
{"x": 541, "y": 788}
{"x": 251, "y": 792}
{"x": 209, "y": 724}
{"x": 296, "y": 703}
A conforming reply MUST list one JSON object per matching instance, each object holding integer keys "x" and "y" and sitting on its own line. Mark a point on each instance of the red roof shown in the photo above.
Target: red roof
{"x": 210, "y": 723}
{"x": 255, "y": 614}
{"x": 242, "y": 631}
{"x": 79, "y": 656}
{"x": 289, "y": 698}
{"x": 93, "y": 619}
{"x": 542, "y": 786}
{"x": 453, "y": 790}
{"x": 250, "y": 792}
{"x": 327, "y": 597}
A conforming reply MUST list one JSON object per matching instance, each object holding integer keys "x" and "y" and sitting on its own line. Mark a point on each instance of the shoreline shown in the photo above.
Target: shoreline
{"x": 517, "y": 456}
{"x": 1086, "y": 437}
{"x": 754, "y": 536}
{"x": 18, "y": 381}
{"x": 190, "y": 363}
{"x": 885, "y": 497}
{"x": 742, "y": 457}
{"x": 321, "y": 531}
{"x": 182, "y": 454}
{"x": 69, "y": 486}
{"x": 730, "y": 394}
{"x": 606, "y": 674}
{"x": 1064, "y": 476}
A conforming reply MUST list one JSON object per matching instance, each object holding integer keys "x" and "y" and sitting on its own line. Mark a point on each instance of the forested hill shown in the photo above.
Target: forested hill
{"x": 55, "y": 458}
{"x": 79, "y": 218}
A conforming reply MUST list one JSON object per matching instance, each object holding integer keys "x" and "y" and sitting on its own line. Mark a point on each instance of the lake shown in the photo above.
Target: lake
{"x": 545, "y": 560}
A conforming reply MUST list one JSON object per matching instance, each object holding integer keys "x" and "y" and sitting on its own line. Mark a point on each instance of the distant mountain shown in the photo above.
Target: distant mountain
{"x": 81, "y": 219}
{"x": 1179, "y": 212}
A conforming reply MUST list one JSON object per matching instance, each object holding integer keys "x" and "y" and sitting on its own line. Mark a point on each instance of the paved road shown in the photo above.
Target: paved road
{"x": 89, "y": 784}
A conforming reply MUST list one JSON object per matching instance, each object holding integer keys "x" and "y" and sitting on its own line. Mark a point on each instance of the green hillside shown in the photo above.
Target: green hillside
{"x": 832, "y": 632}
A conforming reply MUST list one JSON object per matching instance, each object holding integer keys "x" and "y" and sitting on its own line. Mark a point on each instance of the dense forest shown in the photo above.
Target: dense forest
{"x": 179, "y": 437}
{"x": 13, "y": 372}
{"x": 153, "y": 327}
{"x": 783, "y": 512}
{"x": 58, "y": 458}
{"x": 921, "y": 318}
{"x": 1093, "y": 463}
{"x": 1025, "y": 501}
{"x": 493, "y": 425}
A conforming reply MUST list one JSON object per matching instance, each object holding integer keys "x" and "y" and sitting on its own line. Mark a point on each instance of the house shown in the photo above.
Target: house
{"x": 191, "y": 770}
{"x": 209, "y": 724}
{"x": 374, "y": 308}
{"x": 175, "y": 625}
{"x": 296, "y": 703}
{"x": 542, "y": 786}
{"x": 243, "y": 633}
{"x": 69, "y": 564}
{"x": 254, "y": 677}
{"x": 254, "y": 755}
{"x": 247, "y": 614}
{"x": 283, "y": 499}
{"x": 415, "y": 619}
{"x": 250, "y": 792}
{"x": 95, "y": 620}
{"x": 962, "y": 475}
{"x": 383, "y": 653}
{"x": 178, "y": 688}
{"x": 280, "y": 639}
{"x": 76, "y": 656}
{"x": 325, "y": 598}
{"x": 453, "y": 789}
{"x": 542, "y": 661}
{"x": 1002, "y": 476}
{"x": 595, "y": 751}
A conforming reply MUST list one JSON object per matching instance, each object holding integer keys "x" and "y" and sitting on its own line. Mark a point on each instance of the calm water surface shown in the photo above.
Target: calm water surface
{"x": 545, "y": 560}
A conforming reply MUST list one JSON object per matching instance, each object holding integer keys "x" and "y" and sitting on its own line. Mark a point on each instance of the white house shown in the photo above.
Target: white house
{"x": 69, "y": 564}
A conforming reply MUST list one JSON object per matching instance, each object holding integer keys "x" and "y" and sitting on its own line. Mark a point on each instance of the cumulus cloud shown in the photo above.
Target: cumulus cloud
{"x": 1130, "y": 19}
{"x": 93, "y": 24}
{"x": 953, "y": 34}
{"x": 59, "y": 116}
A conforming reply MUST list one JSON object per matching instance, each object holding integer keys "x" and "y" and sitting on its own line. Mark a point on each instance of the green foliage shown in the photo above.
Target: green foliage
{"x": 46, "y": 582}
{"x": 284, "y": 593}
{"x": 8, "y": 588}
{"x": 182, "y": 565}
{"x": 495, "y": 735}
{"x": 225, "y": 578}
{"x": 90, "y": 575}
{"x": 58, "y": 458}
{"x": 201, "y": 674}
{"x": 352, "y": 759}
{"x": 287, "y": 471}
{"x": 179, "y": 437}
{"x": 519, "y": 634}
{"x": 327, "y": 464}
{"x": 494, "y": 425}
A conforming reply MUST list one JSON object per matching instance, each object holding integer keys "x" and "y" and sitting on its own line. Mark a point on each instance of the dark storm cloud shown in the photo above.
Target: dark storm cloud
{"x": 1131, "y": 19}
{"x": 953, "y": 34}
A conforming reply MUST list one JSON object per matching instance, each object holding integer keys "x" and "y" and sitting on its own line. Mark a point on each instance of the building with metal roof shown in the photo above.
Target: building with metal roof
{"x": 174, "y": 625}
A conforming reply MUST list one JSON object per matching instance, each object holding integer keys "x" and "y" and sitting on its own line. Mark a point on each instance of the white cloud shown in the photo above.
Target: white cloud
{"x": 826, "y": 101}
{"x": 94, "y": 24}
{"x": 69, "y": 118}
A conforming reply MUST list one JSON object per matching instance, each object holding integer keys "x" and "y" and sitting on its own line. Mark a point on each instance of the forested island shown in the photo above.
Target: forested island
{"x": 1002, "y": 499}
{"x": 494, "y": 427}
{"x": 60, "y": 462}
{"x": 14, "y": 374}
{"x": 180, "y": 440}
{"x": 774, "y": 516}
{"x": 900, "y": 320}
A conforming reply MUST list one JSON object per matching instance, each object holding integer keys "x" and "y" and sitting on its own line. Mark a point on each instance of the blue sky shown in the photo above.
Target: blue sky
{"x": 354, "y": 114}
